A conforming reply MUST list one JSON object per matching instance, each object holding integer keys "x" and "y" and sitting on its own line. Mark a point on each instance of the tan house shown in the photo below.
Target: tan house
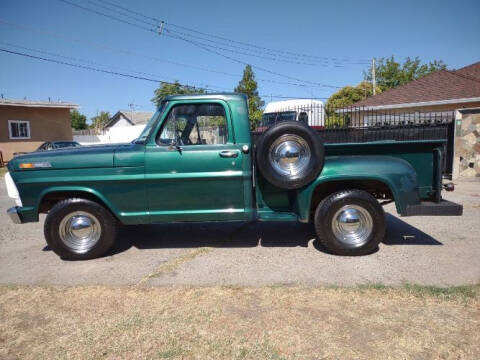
{"x": 25, "y": 124}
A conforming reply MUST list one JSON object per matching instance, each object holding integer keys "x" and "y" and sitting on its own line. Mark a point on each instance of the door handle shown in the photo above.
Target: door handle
{"x": 228, "y": 154}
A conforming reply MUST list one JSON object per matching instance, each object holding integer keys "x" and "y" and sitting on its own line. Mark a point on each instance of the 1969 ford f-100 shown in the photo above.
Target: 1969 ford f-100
{"x": 196, "y": 161}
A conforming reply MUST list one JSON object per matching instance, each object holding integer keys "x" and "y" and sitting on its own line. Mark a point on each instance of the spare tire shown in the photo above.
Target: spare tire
{"x": 290, "y": 155}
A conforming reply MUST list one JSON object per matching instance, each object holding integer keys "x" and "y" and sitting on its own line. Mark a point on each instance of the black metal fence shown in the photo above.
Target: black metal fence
{"x": 363, "y": 124}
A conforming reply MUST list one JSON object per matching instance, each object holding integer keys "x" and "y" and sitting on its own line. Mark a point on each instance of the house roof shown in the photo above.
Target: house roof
{"x": 440, "y": 87}
{"x": 472, "y": 71}
{"x": 133, "y": 117}
{"x": 34, "y": 103}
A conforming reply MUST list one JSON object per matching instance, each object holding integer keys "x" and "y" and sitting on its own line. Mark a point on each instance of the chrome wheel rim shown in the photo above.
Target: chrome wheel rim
{"x": 289, "y": 155}
{"x": 352, "y": 225}
{"x": 80, "y": 231}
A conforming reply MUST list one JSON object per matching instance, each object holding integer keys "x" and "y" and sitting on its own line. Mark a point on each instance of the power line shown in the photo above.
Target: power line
{"x": 125, "y": 75}
{"x": 270, "y": 50}
{"x": 96, "y": 63}
{"x": 85, "y": 67}
{"x": 254, "y": 66}
{"x": 153, "y": 28}
{"x": 272, "y": 56}
{"x": 108, "y": 16}
{"x": 209, "y": 50}
{"x": 276, "y": 56}
{"x": 99, "y": 45}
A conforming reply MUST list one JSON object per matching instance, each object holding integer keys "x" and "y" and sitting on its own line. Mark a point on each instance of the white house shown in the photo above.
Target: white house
{"x": 124, "y": 118}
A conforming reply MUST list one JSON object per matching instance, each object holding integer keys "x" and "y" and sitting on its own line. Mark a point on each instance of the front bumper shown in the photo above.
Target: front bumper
{"x": 430, "y": 208}
{"x": 14, "y": 215}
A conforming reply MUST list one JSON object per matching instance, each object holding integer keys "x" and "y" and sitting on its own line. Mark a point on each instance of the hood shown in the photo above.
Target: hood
{"x": 95, "y": 156}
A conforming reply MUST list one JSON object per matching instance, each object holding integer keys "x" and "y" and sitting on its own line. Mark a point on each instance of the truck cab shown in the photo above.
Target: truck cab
{"x": 196, "y": 160}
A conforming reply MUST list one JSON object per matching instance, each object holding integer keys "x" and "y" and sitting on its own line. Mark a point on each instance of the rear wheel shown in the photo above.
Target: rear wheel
{"x": 350, "y": 222}
{"x": 79, "y": 229}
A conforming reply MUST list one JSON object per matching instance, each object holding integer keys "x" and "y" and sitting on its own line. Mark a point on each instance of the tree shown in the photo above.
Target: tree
{"x": 79, "y": 121}
{"x": 345, "y": 97}
{"x": 166, "y": 89}
{"x": 390, "y": 73}
{"x": 349, "y": 95}
{"x": 99, "y": 121}
{"x": 249, "y": 86}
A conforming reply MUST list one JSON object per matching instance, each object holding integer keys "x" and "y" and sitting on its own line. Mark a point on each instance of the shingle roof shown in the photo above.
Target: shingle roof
{"x": 137, "y": 117}
{"x": 33, "y": 103}
{"x": 440, "y": 85}
{"x": 133, "y": 117}
{"x": 472, "y": 71}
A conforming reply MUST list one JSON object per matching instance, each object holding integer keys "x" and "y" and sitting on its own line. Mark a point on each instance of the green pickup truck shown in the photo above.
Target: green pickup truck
{"x": 196, "y": 160}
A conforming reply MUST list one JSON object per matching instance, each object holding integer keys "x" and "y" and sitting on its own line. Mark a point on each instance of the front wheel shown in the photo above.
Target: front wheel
{"x": 79, "y": 229}
{"x": 350, "y": 222}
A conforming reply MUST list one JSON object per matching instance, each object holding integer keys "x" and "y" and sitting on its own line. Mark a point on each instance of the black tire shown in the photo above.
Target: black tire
{"x": 108, "y": 229}
{"x": 362, "y": 203}
{"x": 309, "y": 172}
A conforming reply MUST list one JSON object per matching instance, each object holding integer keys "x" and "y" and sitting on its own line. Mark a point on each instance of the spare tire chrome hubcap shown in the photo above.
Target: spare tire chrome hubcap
{"x": 80, "y": 231}
{"x": 289, "y": 155}
{"x": 352, "y": 225}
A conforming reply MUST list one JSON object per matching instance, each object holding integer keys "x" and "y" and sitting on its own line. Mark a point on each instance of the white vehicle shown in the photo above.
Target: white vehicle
{"x": 308, "y": 111}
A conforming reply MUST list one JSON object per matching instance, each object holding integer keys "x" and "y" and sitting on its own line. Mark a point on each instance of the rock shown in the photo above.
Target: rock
{"x": 470, "y": 138}
{"x": 463, "y": 148}
{"x": 469, "y": 172}
{"x": 475, "y": 118}
{"x": 466, "y": 122}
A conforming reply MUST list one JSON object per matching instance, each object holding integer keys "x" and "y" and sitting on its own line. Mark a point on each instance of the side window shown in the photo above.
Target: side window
{"x": 195, "y": 124}
{"x": 19, "y": 129}
{"x": 303, "y": 117}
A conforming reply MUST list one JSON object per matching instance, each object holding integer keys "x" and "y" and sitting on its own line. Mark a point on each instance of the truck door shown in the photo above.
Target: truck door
{"x": 194, "y": 170}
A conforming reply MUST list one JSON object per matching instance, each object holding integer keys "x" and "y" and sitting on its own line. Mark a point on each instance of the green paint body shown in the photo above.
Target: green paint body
{"x": 149, "y": 183}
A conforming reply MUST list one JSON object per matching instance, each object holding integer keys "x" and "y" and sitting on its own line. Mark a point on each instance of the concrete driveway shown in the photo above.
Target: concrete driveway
{"x": 423, "y": 250}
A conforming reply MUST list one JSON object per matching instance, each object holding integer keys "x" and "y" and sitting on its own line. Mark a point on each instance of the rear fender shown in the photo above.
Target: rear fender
{"x": 397, "y": 174}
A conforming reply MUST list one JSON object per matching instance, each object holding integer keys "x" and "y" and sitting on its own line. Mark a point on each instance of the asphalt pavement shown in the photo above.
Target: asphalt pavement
{"x": 424, "y": 250}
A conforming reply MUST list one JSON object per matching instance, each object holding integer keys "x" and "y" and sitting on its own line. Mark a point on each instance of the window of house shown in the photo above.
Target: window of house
{"x": 195, "y": 124}
{"x": 19, "y": 129}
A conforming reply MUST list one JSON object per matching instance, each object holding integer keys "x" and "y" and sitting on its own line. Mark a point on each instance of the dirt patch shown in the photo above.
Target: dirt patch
{"x": 239, "y": 323}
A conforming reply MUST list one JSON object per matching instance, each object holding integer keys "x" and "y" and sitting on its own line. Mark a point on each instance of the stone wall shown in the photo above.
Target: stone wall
{"x": 467, "y": 145}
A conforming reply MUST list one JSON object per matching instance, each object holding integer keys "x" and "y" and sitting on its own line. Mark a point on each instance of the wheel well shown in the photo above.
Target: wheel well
{"x": 377, "y": 189}
{"x": 50, "y": 199}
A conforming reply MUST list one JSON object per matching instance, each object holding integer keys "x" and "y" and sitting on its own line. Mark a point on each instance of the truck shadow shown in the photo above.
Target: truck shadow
{"x": 243, "y": 235}
{"x": 401, "y": 233}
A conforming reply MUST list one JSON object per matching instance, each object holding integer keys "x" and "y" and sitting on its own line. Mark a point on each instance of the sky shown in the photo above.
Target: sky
{"x": 318, "y": 46}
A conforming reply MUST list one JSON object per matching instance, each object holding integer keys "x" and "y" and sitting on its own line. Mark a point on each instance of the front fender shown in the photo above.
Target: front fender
{"x": 77, "y": 189}
{"x": 397, "y": 174}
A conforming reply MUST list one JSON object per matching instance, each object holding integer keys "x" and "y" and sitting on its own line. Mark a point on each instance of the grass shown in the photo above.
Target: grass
{"x": 463, "y": 292}
{"x": 3, "y": 171}
{"x": 281, "y": 322}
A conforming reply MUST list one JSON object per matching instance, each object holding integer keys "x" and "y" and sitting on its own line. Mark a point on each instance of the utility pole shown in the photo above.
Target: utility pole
{"x": 374, "y": 82}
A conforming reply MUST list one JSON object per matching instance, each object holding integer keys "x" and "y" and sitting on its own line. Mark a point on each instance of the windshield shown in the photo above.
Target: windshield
{"x": 270, "y": 118}
{"x": 146, "y": 130}
{"x": 64, "y": 144}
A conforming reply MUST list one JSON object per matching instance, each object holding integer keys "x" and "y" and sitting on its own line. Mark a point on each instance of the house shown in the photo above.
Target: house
{"x": 443, "y": 90}
{"x": 26, "y": 124}
{"x": 451, "y": 95}
{"x": 129, "y": 118}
